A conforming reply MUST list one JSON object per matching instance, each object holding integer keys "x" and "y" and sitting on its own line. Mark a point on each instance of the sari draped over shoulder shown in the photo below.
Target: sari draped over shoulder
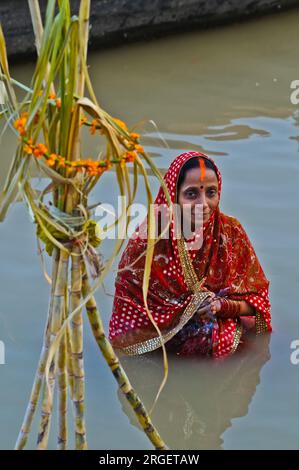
{"x": 182, "y": 278}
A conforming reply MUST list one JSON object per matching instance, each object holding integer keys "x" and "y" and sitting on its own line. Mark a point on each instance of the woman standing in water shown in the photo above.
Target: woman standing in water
{"x": 206, "y": 290}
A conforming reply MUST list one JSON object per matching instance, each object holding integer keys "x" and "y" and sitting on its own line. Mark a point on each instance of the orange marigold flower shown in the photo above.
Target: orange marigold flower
{"x": 37, "y": 153}
{"x": 92, "y": 171}
{"x": 40, "y": 150}
{"x": 121, "y": 124}
{"x": 28, "y": 147}
{"x": 58, "y": 103}
{"x": 130, "y": 156}
{"x": 52, "y": 159}
{"x": 93, "y": 127}
{"x": 83, "y": 121}
{"x": 134, "y": 136}
{"x": 139, "y": 148}
{"x": 22, "y": 131}
{"x": 20, "y": 123}
{"x": 90, "y": 162}
{"x": 52, "y": 96}
{"x": 61, "y": 161}
{"x": 50, "y": 162}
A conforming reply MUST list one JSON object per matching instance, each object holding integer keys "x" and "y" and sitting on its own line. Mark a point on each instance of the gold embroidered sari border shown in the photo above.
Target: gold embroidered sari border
{"x": 237, "y": 337}
{"x": 198, "y": 297}
{"x": 190, "y": 275}
{"x": 260, "y": 323}
{"x": 156, "y": 342}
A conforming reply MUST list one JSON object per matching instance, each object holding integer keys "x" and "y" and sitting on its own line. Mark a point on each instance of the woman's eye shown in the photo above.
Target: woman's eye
{"x": 190, "y": 194}
{"x": 212, "y": 193}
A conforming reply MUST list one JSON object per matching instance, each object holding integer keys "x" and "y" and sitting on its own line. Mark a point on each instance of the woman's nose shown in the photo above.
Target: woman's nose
{"x": 202, "y": 199}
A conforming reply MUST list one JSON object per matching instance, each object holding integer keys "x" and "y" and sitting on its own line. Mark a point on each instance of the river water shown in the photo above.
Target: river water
{"x": 226, "y": 92}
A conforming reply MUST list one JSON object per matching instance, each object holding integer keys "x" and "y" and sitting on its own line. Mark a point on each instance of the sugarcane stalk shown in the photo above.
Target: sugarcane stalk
{"x": 47, "y": 405}
{"x": 70, "y": 371}
{"x": 84, "y": 33}
{"x": 57, "y": 316}
{"x": 76, "y": 349}
{"x": 117, "y": 369}
{"x": 38, "y": 29}
{"x": 63, "y": 389}
{"x": 75, "y": 337}
{"x": 36, "y": 22}
{"x": 67, "y": 358}
{"x": 37, "y": 384}
{"x": 74, "y": 152}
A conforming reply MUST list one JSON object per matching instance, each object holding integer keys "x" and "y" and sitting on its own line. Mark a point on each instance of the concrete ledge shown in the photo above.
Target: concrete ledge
{"x": 115, "y": 22}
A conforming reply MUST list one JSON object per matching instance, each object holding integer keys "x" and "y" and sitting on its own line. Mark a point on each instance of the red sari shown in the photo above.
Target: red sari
{"x": 226, "y": 259}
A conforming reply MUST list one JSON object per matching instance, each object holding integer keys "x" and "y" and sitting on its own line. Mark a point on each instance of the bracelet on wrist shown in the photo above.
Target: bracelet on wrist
{"x": 229, "y": 308}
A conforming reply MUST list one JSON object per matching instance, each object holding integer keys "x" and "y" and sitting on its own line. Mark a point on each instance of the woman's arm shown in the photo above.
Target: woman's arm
{"x": 226, "y": 308}
{"x": 246, "y": 308}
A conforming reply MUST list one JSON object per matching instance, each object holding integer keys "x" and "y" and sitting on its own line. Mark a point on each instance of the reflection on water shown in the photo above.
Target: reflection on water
{"x": 201, "y": 396}
{"x": 225, "y": 92}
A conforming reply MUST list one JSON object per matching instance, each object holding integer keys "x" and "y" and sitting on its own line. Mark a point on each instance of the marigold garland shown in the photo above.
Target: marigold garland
{"x": 92, "y": 167}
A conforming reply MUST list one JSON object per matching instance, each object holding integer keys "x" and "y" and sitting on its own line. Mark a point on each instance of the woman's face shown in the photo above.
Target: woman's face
{"x": 194, "y": 191}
